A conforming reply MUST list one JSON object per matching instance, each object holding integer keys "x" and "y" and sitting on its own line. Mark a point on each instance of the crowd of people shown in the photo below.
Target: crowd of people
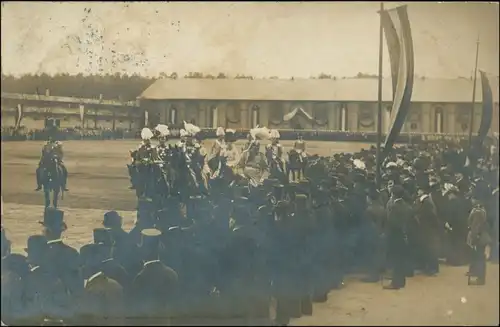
{"x": 264, "y": 252}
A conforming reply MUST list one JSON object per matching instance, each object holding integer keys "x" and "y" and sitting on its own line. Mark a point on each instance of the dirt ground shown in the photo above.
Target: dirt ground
{"x": 99, "y": 182}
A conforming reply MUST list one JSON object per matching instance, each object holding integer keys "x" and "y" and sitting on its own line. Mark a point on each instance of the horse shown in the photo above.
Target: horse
{"x": 52, "y": 182}
{"x": 296, "y": 164}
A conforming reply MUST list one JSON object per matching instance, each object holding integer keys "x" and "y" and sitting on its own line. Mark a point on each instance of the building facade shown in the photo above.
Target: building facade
{"x": 69, "y": 112}
{"x": 438, "y": 106}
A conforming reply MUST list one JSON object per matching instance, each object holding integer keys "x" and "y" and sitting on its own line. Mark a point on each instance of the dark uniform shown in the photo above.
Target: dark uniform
{"x": 50, "y": 150}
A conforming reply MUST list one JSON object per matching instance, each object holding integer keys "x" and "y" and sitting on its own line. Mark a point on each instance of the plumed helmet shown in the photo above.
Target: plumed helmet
{"x": 391, "y": 165}
{"x": 191, "y": 129}
{"x": 146, "y": 134}
{"x": 163, "y": 130}
{"x": 262, "y": 133}
{"x": 220, "y": 132}
{"x": 275, "y": 134}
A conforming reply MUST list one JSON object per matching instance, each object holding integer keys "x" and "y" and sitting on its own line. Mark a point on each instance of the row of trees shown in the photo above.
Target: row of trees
{"x": 112, "y": 87}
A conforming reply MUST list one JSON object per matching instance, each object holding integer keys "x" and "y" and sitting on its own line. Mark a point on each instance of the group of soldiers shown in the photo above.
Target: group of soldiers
{"x": 262, "y": 252}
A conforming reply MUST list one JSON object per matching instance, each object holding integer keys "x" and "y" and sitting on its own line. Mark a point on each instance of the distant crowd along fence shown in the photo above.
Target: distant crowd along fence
{"x": 207, "y": 133}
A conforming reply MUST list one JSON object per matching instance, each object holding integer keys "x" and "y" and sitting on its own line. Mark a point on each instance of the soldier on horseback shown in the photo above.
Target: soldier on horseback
{"x": 219, "y": 145}
{"x": 274, "y": 151}
{"x": 141, "y": 156}
{"x": 300, "y": 147}
{"x": 162, "y": 147}
{"x": 51, "y": 150}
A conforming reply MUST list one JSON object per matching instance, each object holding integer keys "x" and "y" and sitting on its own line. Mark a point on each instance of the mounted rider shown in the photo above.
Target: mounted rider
{"x": 51, "y": 149}
{"x": 143, "y": 155}
{"x": 274, "y": 151}
{"x": 300, "y": 147}
{"x": 183, "y": 136}
{"x": 162, "y": 147}
{"x": 219, "y": 147}
{"x": 146, "y": 149}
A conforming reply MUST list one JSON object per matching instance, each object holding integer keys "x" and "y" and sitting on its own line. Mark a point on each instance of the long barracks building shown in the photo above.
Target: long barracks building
{"x": 438, "y": 105}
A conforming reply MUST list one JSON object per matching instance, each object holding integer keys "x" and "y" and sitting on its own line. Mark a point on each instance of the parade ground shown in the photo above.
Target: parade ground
{"x": 98, "y": 182}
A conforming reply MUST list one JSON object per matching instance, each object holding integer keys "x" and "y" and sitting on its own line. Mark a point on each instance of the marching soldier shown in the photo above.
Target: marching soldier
{"x": 51, "y": 150}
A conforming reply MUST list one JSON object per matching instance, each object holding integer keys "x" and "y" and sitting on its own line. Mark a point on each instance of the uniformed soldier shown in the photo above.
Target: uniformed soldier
{"x": 51, "y": 150}
{"x": 219, "y": 145}
{"x": 478, "y": 238}
{"x": 162, "y": 147}
{"x": 274, "y": 151}
{"x": 398, "y": 214}
{"x": 428, "y": 232}
{"x": 144, "y": 155}
{"x": 300, "y": 147}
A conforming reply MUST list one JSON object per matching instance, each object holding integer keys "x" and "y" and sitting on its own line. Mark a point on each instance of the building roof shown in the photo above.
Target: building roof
{"x": 35, "y": 97}
{"x": 348, "y": 89}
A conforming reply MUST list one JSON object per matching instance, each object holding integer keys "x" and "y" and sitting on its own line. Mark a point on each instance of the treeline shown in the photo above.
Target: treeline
{"x": 112, "y": 87}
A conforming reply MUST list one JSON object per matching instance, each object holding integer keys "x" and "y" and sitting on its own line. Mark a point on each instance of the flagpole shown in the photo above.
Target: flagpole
{"x": 471, "y": 124}
{"x": 379, "y": 113}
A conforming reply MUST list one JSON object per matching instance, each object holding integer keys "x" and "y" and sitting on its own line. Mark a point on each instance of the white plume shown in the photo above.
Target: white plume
{"x": 391, "y": 164}
{"x": 262, "y": 133}
{"x": 230, "y": 130}
{"x": 275, "y": 134}
{"x": 146, "y": 134}
{"x": 191, "y": 129}
{"x": 359, "y": 164}
{"x": 163, "y": 130}
{"x": 220, "y": 131}
{"x": 183, "y": 133}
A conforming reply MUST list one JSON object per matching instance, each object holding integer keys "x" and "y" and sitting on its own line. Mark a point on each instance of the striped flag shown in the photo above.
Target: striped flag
{"x": 487, "y": 113}
{"x": 19, "y": 116}
{"x": 399, "y": 41}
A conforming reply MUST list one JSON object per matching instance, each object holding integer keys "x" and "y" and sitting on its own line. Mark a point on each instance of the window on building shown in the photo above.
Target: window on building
{"x": 255, "y": 115}
{"x": 438, "y": 120}
{"x": 275, "y": 113}
{"x": 172, "y": 115}
{"x": 343, "y": 117}
{"x": 213, "y": 117}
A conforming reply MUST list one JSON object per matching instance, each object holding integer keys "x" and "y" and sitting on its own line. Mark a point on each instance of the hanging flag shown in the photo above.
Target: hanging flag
{"x": 19, "y": 116}
{"x": 146, "y": 118}
{"x": 399, "y": 41}
{"x": 82, "y": 114}
{"x": 487, "y": 113}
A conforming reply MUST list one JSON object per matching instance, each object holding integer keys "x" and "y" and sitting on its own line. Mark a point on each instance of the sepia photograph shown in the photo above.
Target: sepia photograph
{"x": 249, "y": 163}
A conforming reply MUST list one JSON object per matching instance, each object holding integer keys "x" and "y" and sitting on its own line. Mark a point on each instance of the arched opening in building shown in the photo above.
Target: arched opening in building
{"x": 438, "y": 121}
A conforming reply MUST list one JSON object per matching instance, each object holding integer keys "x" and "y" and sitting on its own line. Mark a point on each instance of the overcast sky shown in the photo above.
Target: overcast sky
{"x": 259, "y": 39}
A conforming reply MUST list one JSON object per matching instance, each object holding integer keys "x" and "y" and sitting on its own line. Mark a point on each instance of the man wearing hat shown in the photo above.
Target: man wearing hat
{"x": 300, "y": 147}
{"x": 143, "y": 156}
{"x": 219, "y": 145}
{"x": 155, "y": 288}
{"x": 398, "y": 215}
{"x": 64, "y": 260}
{"x": 477, "y": 239}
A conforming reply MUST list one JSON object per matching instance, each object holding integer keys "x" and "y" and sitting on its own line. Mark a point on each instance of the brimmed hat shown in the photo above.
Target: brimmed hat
{"x": 112, "y": 219}
{"x": 53, "y": 219}
{"x": 35, "y": 244}
{"x": 150, "y": 237}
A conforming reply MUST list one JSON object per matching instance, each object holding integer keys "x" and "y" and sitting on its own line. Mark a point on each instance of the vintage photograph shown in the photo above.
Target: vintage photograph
{"x": 249, "y": 163}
